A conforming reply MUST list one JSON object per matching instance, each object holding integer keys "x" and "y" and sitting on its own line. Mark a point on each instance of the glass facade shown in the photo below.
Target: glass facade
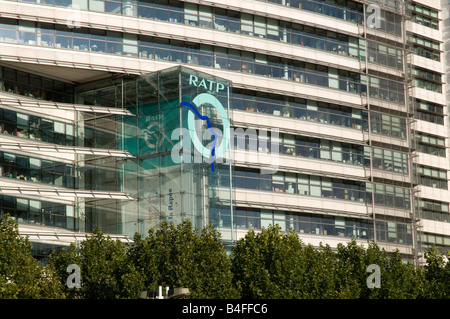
{"x": 235, "y": 21}
{"x": 210, "y": 17}
{"x": 39, "y": 212}
{"x": 320, "y": 186}
{"x": 37, "y": 170}
{"x": 430, "y": 112}
{"x": 34, "y": 86}
{"x": 433, "y": 210}
{"x": 325, "y": 225}
{"x": 173, "y": 172}
{"x": 167, "y": 184}
{"x": 430, "y": 144}
{"x": 36, "y": 128}
{"x": 61, "y": 36}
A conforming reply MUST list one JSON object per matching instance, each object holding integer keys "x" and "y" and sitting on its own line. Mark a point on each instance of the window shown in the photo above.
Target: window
{"x": 424, "y": 15}
{"x": 38, "y": 212}
{"x": 35, "y": 170}
{"x": 386, "y": 195}
{"x": 433, "y": 210}
{"x": 388, "y": 125}
{"x": 430, "y": 144}
{"x": 432, "y": 176}
{"x": 430, "y": 112}
{"x": 97, "y": 40}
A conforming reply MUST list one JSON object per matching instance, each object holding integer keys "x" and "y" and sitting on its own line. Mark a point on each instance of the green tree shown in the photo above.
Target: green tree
{"x": 403, "y": 280}
{"x": 106, "y": 271}
{"x": 437, "y": 273}
{"x": 269, "y": 264}
{"x": 21, "y": 275}
{"x": 352, "y": 269}
{"x": 325, "y": 276}
{"x": 398, "y": 280}
{"x": 144, "y": 258}
{"x": 58, "y": 261}
{"x": 214, "y": 278}
{"x": 176, "y": 256}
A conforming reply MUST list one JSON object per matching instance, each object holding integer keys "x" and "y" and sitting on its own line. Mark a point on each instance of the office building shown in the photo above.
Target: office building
{"x": 332, "y": 119}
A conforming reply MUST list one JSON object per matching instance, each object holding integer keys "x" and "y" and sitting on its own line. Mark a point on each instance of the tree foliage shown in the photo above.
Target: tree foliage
{"x": 21, "y": 276}
{"x": 175, "y": 256}
{"x": 265, "y": 264}
{"x": 273, "y": 264}
{"x": 105, "y": 270}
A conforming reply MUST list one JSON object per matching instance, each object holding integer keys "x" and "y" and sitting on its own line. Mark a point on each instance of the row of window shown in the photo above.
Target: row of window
{"x": 384, "y": 89}
{"x": 436, "y": 216}
{"x": 253, "y": 25}
{"x": 388, "y": 195}
{"x": 430, "y": 112}
{"x": 387, "y": 124}
{"x": 424, "y": 15}
{"x": 317, "y": 224}
{"x": 320, "y": 112}
{"x": 37, "y": 212}
{"x": 389, "y": 21}
{"x": 441, "y": 242}
{"x": 427, "y": 74}
{"x": 342, "y": 9}
{"x": 430, "y": 144}
{"x": 310, "y": 147}
{"x": 433, "y": 210}
{"x": 301, "y": 146}
{"x": 320, "y": 186}
{"x": 180, "y": 12}
{"x": 35, "y": 86}
{"x": 428, "y": 80}
{"x": 427, "y": 53}
{"x": 424, "y": 41}
{"x": 266, "y": 103}
{"x": 427, "y": 85}
{"x": 50, "y": 131}
{"x": 432, "y": 176}
{"x": 384, "y": 54}
{"x": 209, "y": 56}
{"x": 246, "y": 24}
{"x": 425, "y": 47}
{"x": 390, "y": 160}
{"x": 37, "y": 170}
{"x": 57, "y": 173}
{"x": 36, "y": 128}
{"x": 191, "y": 53}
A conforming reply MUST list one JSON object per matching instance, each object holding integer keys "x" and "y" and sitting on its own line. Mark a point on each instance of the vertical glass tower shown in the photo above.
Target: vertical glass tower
{"x": 178, "y": 133}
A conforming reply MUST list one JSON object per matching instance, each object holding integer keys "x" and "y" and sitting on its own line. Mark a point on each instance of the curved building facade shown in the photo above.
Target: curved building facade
{"x": 328, "y": 117}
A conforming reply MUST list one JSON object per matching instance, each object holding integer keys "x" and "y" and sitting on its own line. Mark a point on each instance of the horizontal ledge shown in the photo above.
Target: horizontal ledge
{"x": 15, "y": 100}
{"x": 18, "y": 190}
{"x": 63, "y": 149}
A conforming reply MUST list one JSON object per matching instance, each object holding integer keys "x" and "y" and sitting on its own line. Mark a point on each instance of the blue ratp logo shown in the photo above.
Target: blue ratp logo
{"x": 208, "y": 123}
